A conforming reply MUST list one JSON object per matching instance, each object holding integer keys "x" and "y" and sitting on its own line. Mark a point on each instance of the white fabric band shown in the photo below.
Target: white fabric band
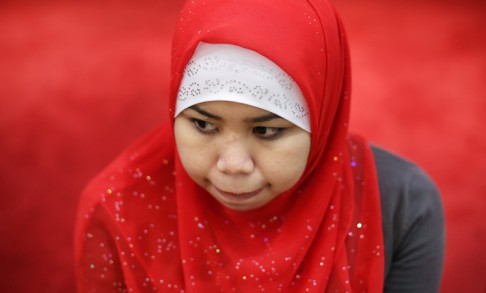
{"x": 222, "y": 72}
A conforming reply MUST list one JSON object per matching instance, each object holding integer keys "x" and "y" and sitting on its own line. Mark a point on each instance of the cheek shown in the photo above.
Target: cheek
{"x": 193, "y": 151}
{"x": 287, "y": 163}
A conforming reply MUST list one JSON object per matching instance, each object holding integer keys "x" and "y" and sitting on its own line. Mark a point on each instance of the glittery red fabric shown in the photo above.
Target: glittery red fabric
{"x": 144, "y": 225}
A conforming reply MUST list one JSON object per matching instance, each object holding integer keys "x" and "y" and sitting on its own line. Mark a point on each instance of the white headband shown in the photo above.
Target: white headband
{"x": 222, "y": 72}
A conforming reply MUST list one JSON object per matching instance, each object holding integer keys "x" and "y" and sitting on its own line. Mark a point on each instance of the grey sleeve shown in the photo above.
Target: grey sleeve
{"x": 418, "y": 255}
{"x": 413, "y": 224}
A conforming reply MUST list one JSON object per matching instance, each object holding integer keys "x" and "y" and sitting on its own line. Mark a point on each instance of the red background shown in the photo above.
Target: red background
{"x": 79, "y": 82}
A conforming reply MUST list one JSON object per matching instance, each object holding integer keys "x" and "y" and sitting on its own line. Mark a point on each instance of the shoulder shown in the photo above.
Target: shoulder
{"x": 413, "y": 222}
{"x": 404, "y": 185}
{"x": 403, "y": 182}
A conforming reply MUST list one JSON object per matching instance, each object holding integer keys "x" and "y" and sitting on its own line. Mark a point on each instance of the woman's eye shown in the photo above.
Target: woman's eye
{"x": 204, "y": 126}
{"x": 267, "y": 132}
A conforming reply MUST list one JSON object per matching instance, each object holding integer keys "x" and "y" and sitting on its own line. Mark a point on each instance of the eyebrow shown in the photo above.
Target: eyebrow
{"x": 205, "y": 113}
{"x": 264, "y": 118}
{"x": 258, "y": 119}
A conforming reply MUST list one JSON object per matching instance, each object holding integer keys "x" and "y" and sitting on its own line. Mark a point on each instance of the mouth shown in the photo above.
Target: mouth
{"x": 239, "y": 196}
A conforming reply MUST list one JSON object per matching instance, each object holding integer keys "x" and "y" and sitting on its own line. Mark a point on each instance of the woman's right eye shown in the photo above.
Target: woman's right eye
{"x": 204, "y": 126}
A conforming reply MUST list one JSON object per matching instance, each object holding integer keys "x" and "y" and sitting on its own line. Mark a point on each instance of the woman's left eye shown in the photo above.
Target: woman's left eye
{"x": 267, "y": 132}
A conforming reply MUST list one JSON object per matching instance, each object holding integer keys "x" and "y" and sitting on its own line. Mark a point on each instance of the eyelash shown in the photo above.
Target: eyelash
{"x": 278, "y": 131}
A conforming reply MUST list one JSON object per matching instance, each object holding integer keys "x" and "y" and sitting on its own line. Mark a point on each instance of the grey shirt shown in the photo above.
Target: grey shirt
{"x": 413, "y": 225}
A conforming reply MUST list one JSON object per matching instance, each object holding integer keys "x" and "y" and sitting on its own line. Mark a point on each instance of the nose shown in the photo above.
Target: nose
{"x": 235, "y": 158}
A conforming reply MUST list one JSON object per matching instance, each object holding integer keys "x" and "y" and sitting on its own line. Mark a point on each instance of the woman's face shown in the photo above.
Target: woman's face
{"x": 242, "y": 155}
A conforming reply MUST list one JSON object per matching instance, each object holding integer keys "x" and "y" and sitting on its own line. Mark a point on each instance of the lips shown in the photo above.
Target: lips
{"x": 235, "y": 197}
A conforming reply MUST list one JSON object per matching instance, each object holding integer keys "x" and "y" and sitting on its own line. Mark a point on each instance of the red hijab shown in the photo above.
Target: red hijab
{"x": 144, "y": 225}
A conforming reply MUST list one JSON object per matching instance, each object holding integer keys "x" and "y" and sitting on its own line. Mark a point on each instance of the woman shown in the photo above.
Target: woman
{"x": 256, "y": 184}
